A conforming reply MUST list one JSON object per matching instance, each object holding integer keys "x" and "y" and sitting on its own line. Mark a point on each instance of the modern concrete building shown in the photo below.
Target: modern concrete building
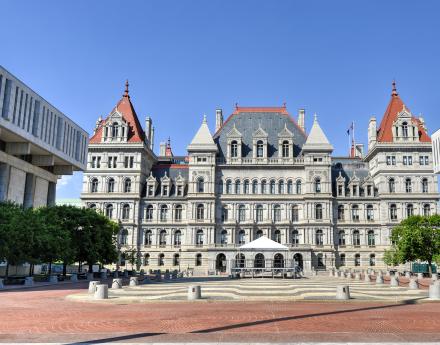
{"x": 260, "y": 174}
{"x": 436, "y": 151}
{"x": 38, "y": 143}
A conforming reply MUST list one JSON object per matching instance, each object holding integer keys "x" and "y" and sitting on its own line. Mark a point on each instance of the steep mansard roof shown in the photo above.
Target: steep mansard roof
{"x": 396, "y": 105}
{"x": 247, "y": 120}
{"x": 125, "y": 107}
{"x": 349, "y": 167}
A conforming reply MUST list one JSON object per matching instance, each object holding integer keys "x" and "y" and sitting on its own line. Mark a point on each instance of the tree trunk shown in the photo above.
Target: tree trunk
{"x": 79, "y": 266}
{"x": 90, "y": 268}
{"x": 64, "y": 269}
{"x": 50, "y": 267}
{"x": 7, "y": 270}
{"x": 429, "y": 268}
{"x": 30, "y": 270}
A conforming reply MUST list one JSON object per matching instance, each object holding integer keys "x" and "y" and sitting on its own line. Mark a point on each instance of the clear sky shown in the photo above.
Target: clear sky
{"x": 186, "y": 58}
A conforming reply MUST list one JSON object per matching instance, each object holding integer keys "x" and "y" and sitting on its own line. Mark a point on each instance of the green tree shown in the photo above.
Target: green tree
{"x": 417, "y": 238}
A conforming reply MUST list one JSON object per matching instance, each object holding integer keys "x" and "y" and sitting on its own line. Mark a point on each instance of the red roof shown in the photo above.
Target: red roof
{"x": 396, "y": 105}
{"x": 125, "y": 107}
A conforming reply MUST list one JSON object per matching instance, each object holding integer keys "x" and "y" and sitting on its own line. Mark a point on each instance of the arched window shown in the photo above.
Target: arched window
{"x": 259, "y": 213}
{"x": 356, "y": 238}
{"x": 341, "y": 237}
{"x": 405, "y": 129}
{"x": 409, "y": 210}
{"x": 255, "y": 187}
{"x": 259, "y": 234}
{"x": 289, "y": 187}
{"x": 426, "y": 210}
{"x": 115, "y": 130}
{"x": 372, "y": 260}
{"x": 125, "y": 211}
{"x": 391, "y": 185}
{"x": 176, "y": 260}
{"x": 241, "y": 237}
{"x": 148, "y": 239}
{"x": 342, "y": 260}
{"x": 109, "y": 211}
{"x": 127, "y": 186}
{"x": 281, "y": 187}
{"x": 200, "y": 212}
{"x": 122, "y": 259}
{"x": 234, "y": 149}
{"x": 147, "y": 259}
{"x": 199, "y": 237}
{"x": 240, "y": 260}
{"x": 370, "y": 212}
{"x": 241, "y": 213}
{"x": 341, "y": 214}
{"x": 263, "y": 187}
{"x": 259, "y": 261}
{"x": 94, "y": 185}
{"x": 237, "y": 187}
{"x": 92, "y": 206}
{"x": 298, "y": 187}
{"x": 149, "y": 213}
{"x": 199, "y": 260}
{"x": 371, "y": 238}
{"x": 111, "y": 185}
{"x": 161, "y": 260}
{"x": 277, "y": 213}
{"x": 357, "y": 260}
{"x": 246, "y": 187}
{"x": 260, "y": 151}
{"x": 124, "y": 237}
{"x": 224, "y": 237}
{"x": 228, "y": 187}
{"x": 295, "y": 213}
{"x": 163, "y": 238}
{"x": 318, "y": 185}
{"x": 200, "y": 185}
{"x": 319, "y": 238}
{"x": 272, "y": 187}
{"x": 178, "y": 213}
{"x": 425, "y": 185}
{"x": 295, "y": 237}
{"x": 355, "y": 213}
{"x": 318, "y": 211}
{"x": 277, "y": 236}
{"x": 393, "y": 212}
{"x": 285, "y": 149}
{"x": 163, "y": 213}
{"x": 408, "y": 185}
{"x": 177, "y": 238}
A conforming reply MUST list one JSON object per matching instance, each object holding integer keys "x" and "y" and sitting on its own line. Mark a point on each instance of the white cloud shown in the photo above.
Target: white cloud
{"x": 64, "y": 181}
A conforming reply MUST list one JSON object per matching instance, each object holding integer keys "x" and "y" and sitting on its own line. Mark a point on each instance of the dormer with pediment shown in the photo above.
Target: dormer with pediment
{"x": 259, "y": 144}
{"x": 165, "y": 185}
{"x": 354, "y": 185}
{"x": 285, "y": 143}
{"x": 368, "y": 186}
{"x": 340, "y": 185}
{"x": 180, "y": 185}
{"x": 151, "y": 185}
{"x": 404, "y": 127}
{"x": 115, "y": 128}
{"x": 235, "y": 141}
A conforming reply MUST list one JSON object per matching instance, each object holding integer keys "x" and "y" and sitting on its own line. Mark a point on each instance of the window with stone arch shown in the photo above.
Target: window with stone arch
{"x": 319, "y": 237}
{"x": 254, "y": 187}
{"x": 225, "y": 214}
{"x": 281, "y": 187}
{"x": 94, "y": 185}
{"x": 272, "y": 187}
{"x": 177, "y": 238}
{"x": 372, "y": 260}
{"x": 285, "y": 149}
{"x": 371, "y": 238}
{"x": 241, "y": 213}
{"x": 259, "y": 213}
{"x": 109, "y": 211}
{"x": 260, "y": 149}
{"x": 277, "y": 213}
{"x": 148, "y": 238}
{"x": 149, "y": 213}
{"x": 123, "y": 237}
{"x": 125, "y": 211}
{"x": 127, "y": 185}
{"x": 161, "y": 259}
{"x": 241, "y": 237}
{"x": 405, "y": 129}
{"x": 295, "y": 237}
{"x": 409, "y": 210}
{"x": 393, "y": 212}
{"x": 391, "y": 185}
{"x": 356, "y": 238}
{"x": 163, "y": 213}
{"x": 246, "y": 187}
{"x": 199, "y": 260}
{"x": 228, "y": 187}
{"x": 147, "y": 259}
{"x": 277, "y": 236}
{"x": 426, "y": 210}
{"x": 200, "y": 212}
{"x": 318, "y": 211}
{"x": 111, "y": 185}
{"x": 224, "y": 237}
{"x": 176, "y": 260}
{"x": 263, "y": 187}
{"x": 237, "y": 186}
{"x": 341, "y": 215}
{"x": 425, "y": 185}
{"x": 295, "y": 213}
{"x": 357, "y": 260}
{"x": 199, "y": 237}
{"x": 408, "y": 185}
{"x": 234, "y": 149}
{"x": 92, "y": 206}
{"x": 200, "y": 185}
{"x": 342, "y": 260}
{"x": 298, "y": 187}
{"x": 317, "y": 185}
{"x": 259, "y": 234}
{"x": 178, "y": 213}
{"x": 115, "y": 130}
{"x": 341, "y": 237}
{"x": 289, "y": 187}
{"x": 163, "y": 237}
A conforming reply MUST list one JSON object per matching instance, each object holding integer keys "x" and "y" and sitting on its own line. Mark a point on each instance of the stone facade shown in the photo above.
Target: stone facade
{"x": 38, "y": 143}
{"x": 260, "y": 174}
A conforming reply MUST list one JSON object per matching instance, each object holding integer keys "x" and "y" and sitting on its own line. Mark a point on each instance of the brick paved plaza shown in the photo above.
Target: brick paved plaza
{"x": 45, "y": 315}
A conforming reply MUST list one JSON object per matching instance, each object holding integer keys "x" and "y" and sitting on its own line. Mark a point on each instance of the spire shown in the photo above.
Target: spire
{"x": 394, "y": 91}
{"x": 203, "y": 141}
{"x": 126, "y": 89}
{"x": 317, "y": 140}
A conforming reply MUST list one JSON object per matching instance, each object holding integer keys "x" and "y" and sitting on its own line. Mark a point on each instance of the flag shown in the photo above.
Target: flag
{"x": 350, "y": 128}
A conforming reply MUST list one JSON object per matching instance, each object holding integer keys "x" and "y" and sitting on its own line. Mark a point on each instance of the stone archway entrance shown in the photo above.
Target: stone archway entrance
{"x": 298, "y": 260}
{"x": 220, "y": 262}
{"x": 278, "y": 261}
{"x": 259, "y": 261}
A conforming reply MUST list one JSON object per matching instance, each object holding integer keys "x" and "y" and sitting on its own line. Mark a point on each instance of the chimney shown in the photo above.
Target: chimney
{"x": 301, "y": 119}
{"x": 218, "y": 119}
{"x": 152, "y": 139}
{"x": 148, "y": 124}
{"x": 372, "y": 133}
{"x": 162, "y": 150}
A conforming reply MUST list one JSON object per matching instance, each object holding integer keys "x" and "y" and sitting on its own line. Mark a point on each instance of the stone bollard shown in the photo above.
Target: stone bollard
{"x": 388, "y": 274}
{"x": 394, "y": 282}
{"x": 434, "y": 277}
{"x": 101, "y": 291}
{"x": 90, "y": 276}
{"x": 103, "y": 274}
{"x": 413, "y": 284}
{"x": 92, "y": 285}
{"x": 379, "y": 279}
{"x": 29, "y": 281}
{"x": 125, "y": 274}
{"x": 117, "y": 283}
{"x": 367, "y": 278}
{"x": 315, "y": 273}
{"x": 115, "y": 274}
{"x": 194, "y": 292}
{"x": 407, "y": 274}
{"x": 357, "y": 276}
{"x": 74, "y": 277}
{"x": 2, "y": 286}
{"x": 434, "y": 290}
{"x": 53, "y": 279}
{"x": 419, "y": 276}
{"x": 133, "y": 281}
{"x": 342, "y": 292}
{"x": 331, "y": 273}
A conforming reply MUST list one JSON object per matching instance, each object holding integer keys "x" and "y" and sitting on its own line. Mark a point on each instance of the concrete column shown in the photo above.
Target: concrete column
{"x": 194, "y": 292}
{"x": 101, "y": 291}
{"x": 4, "y": 181}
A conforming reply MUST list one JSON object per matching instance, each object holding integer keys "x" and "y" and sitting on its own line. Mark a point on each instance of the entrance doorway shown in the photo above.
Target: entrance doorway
{"x": 220, "y": 262}
{"x": 259, "y": 261}
{"x": 278, "y": 261}
{"x": 298, "y": 260}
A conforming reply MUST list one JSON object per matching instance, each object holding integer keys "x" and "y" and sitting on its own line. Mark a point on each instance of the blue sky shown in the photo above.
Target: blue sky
{"x": 186, "y": 58}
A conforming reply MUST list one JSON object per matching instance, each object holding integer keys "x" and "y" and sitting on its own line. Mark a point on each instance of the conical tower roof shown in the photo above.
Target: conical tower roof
{"x": 203, "y": 141}
{"x": 316, "y": 139}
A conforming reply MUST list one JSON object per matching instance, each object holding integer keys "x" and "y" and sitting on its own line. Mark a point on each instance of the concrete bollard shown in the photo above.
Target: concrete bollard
{"x": 133, "y": 281}
{"x": 434, "y": 290}
{"x": 29, "y": 281}
{"x": 367, "y": 278}
{"x": 394, "y": 282}
{"x": 331, "y": 273}
{"x": 379, "y": 279}
{"x": 101, "y": 291}
{"x": 74, "y": 277}
{"x": 90, "y": 276}
{"x": 407, "y": 274}
{"x": 103, "y": 274}
{"x": 388, "y": 274}
{"x": 2, "y": 286}
{"x": 419, "y": 276}
{"x": 434, "y": 277}
{"x": 53, "y": 279}
{"x": 194, "y": 292}
{"x": 357, "y": 276}
{"x": 92, "y": 285}
{"x": 413, "y": 284}
{"x": 342, "y": 292}
{"x": 342, "y": 276}
{"x": 117, "y": 283}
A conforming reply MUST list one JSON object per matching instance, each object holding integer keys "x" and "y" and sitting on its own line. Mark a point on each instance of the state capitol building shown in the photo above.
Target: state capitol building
{"x": 259, "y": 175}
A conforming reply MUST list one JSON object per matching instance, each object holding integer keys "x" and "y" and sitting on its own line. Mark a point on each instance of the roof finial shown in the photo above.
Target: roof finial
{"x": 126, "y": 89}
{"x": 394, "y": 92}
{"x": 284, "y": 104}
{"x": 315, "y": 117}
{"x": 236, "y": 105}
{"x": 204, "y": 118}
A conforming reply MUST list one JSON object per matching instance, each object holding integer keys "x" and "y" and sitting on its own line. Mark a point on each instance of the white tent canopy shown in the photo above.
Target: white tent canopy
{"x": 263, "y": 243}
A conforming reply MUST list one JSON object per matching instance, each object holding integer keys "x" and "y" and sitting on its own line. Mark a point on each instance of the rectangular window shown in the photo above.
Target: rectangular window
{"x": 421, "y": 160}
{"x": 6, "y": 98}
{"x": 409, "y": 160}
{"x": 93, "y": 162}
{"x": 393, "y": 160}
{"x": 126, "y": 162}
{"x": 388, "y": 160}
{"x": 426, "y": 160}
{"x": 98, "y": 162}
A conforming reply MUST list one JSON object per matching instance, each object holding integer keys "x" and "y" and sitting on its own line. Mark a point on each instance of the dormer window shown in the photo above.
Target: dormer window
{"x": 405, "y": 129}
{"x": 234, "y": 149}
{"x": 285, "y": 149}
{"x": 179, "y": 190}
{"x": 355, "y": 190}
{"x": 260, "y": 149}
{"x": 150, "y": 190}
{"x": 115, "y": 130}
{"x": 165, "y": 190}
